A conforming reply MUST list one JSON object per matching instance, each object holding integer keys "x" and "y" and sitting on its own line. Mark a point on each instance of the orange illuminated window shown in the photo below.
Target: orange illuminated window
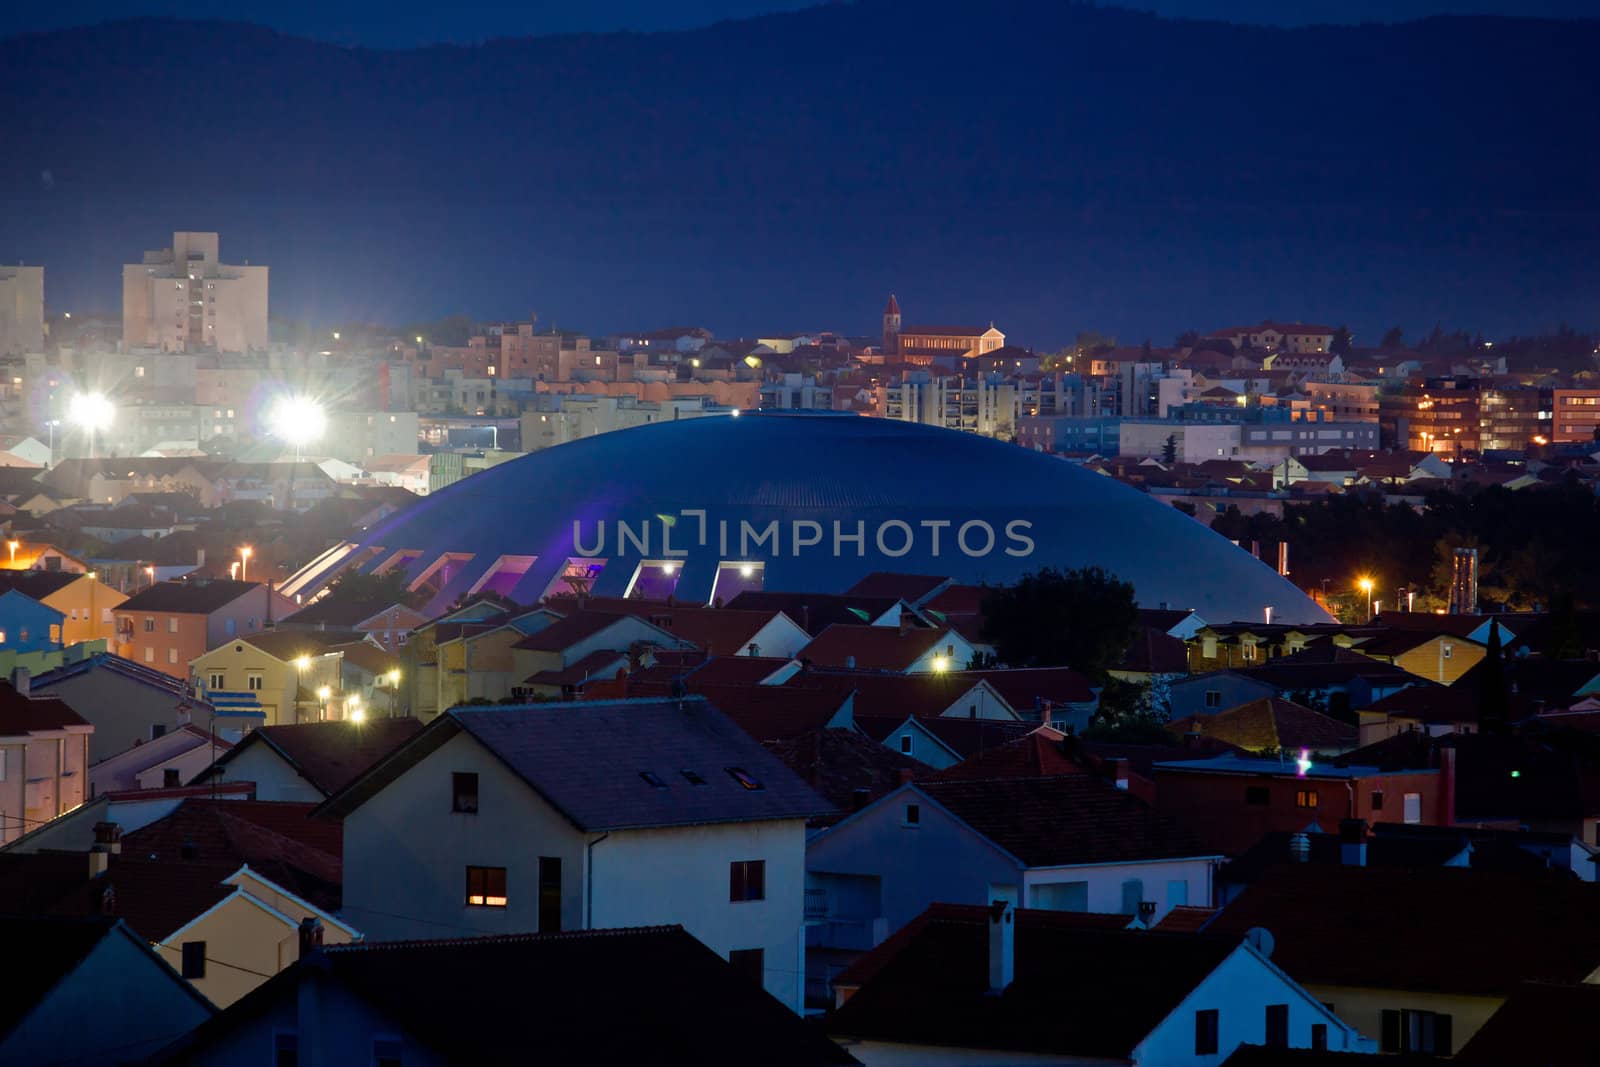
{"x": 486, "y": 887}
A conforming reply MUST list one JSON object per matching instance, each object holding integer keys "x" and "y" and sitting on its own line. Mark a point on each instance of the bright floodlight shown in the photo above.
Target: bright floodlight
{"x": 92, "y": 411}
{"x": 299, "y": 420}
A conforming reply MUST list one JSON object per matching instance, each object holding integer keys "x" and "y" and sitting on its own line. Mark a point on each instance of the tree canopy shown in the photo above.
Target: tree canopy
{"x": 1084, "y": 619}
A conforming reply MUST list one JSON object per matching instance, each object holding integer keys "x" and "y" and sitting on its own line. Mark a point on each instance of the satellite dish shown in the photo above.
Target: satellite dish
{"x": 1260, "y": 939}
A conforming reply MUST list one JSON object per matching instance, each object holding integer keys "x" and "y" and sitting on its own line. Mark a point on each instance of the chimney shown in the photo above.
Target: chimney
{"x": 860, "y": 798}
{"x": 310, "y": 935}
{"x": 906, "y": 775}
{"x": 1119, "y": 772}
{"x": 99, "y": 860}
{"x": 1002, "y": 946}
{"x": 1353, "y": 842}
{"x": 1447, "y": 785}
{"x": 1300, "y": 848}
{"x": 1147, "y": 913}
{"x": 20, "y": 680}
{"x": 109, "y": 836}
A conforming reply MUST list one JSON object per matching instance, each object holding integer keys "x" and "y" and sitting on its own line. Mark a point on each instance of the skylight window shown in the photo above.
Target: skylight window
{"x": 652, "y": 778}
{"x": 745, "y": 779}
{"x": 693, "y": 777}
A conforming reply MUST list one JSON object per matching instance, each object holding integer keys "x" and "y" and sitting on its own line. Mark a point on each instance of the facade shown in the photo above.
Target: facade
{"x": 84, "y": 601}
{"x": 1231, "y": 801}
{"x": 183, "y": 298}
{"x": 126, "y": 702}
{"x": 281, "y": 672}
{"x": 163, "y": 762}
{"x": 582, "y": 816}
{"x": 1576, "y": 418}
{"x": 44, "y": 754}
{"x": 21, "y": 310}
{"x": 171, "y": 624}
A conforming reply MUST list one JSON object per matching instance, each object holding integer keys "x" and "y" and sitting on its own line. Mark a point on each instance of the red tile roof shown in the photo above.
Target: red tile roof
{"x": 878, "y": 694}
{"x": 1062, "y": 820}
{"x": 1026, "y": 687}
{"x": 848, "y": 768}
{"x": 30, "y": 715}
{"x": 1271, "y": 724}
{"x": 602, "y": 665}
{"x": 1185, "y": 919}
{"x": 1034, "y": 756}
{"x": 912, "y": 588}
{"x": 1441, "y": 929}
{"x": 884, "y": 648}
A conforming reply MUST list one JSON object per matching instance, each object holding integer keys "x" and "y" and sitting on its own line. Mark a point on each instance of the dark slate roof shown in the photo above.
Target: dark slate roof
{"x": 188, "y": 598}
{"x": 1064, "y": 819}
{"x": 329, "y": 755}
{"x": 34, "y": 714}
{"x": 1446, "y": 929}
{"x": 1541, "y": 1023}
{"x": 933, "y": 990}
{"x": 912, "y": 588}
{"x": 815, "y": 612}
{"x": 964, "y": 737}
{"x": 1269, "y": 724}
{"x": 643, "y": 995}
{"x": 1032, "y": 756}
{"x": 590, "y": 761}
{"x": 53, "y": 949}
{"x": 342, "y": 610}
{"x": 37, "y": 584}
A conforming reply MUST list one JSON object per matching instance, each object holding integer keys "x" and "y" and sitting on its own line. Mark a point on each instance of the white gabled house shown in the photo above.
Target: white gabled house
{"x": 584, "y": 815}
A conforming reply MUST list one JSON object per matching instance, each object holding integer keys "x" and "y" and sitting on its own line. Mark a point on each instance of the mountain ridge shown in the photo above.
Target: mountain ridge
{"x": 1036, "y": 166}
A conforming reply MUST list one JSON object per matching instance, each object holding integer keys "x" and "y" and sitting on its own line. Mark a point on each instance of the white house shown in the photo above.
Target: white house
{"x": 583, "y": 815}
{"x": 1071, "y": 843}
{"x": 996, "y": 987}
{"x": 169, "y": 760}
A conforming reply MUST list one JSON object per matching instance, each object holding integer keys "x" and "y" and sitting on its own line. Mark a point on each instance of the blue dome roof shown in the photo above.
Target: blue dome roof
{"x": 797, "y": 502}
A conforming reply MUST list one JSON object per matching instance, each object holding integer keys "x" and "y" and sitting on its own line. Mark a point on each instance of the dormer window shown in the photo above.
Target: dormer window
{"x": 745, "y": 779}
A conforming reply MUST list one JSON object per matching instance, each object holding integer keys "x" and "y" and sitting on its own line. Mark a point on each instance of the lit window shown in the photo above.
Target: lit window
{"x": 1305, "y": 798}
{"x": 486, "y": 887}
{"x": 744, "y": 778}
{"x": 747, "y": 880}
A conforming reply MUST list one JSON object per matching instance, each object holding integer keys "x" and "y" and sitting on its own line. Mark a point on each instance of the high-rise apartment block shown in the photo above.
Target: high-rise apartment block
{"x": 21, "y": 310}
{"x": 183, "y": 299}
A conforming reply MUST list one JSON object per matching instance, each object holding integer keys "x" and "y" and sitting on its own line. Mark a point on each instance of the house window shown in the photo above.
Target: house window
{"x": 172, "y": 655}
{"x": 747, "y": 880}
{"x": 194, "y": 959}
{"x": 749, "y": 962}
{"x": 149, "y": 625}
{"x": 1319, "y": 1036}
{"x": 905, "y": 744}
{"x": 386, "y": 1052}
{"x": 1305, "y": 798}
{"x": 149, "y": 655}
{"x": 1447, "y": 650}
{"x": 745, "y": 779}
{"x": 170, "y": 778}
{"x": 55, "y": 634}
{"x": 1205, "y": 1032}
{"x": 1256, "y": 795}
{"x": 486, "y": 887}
{"x": 1416, "y": 1031}
{"x": 549, "y": 894}
{"x": 157, "y": 729}
{"x": 217, "y": 680}
{"x": 1213, "y": 698}
{"x": 1413, "y": 808}
{"x": 912, "y": 816}
{"x": 1177, "y": 893}
{"x": 254, "y": 681}
{"x": 285, "y": 1050}
{"x": 464, "y": 792}
{"x": 172, "y": 625}
{"x": 1277, "y": 1026}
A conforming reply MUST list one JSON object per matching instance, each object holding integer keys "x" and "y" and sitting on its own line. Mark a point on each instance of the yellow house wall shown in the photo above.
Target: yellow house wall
{"x": 1363, "y": 1008}
{"x": 1427, "y": 661}
{"x": 279, "y": 681}
{"x": 87, "y": 604}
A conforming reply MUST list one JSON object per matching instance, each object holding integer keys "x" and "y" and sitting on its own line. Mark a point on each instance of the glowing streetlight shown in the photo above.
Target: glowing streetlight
{"x": 297, "y": 419}
{"x": 747, "y": 571}
{"x": 13, "y": 546}
{"x": 394, "y": 677}
{"x": 150, "y": 573}
{"x": 245, "y": 551}
{"x": 941, "y": 664}
{"x": 302, "y": 663}
{"x": 358, "y": 715}
{"x": 335, "y": 335}
{"x": 91, "y": 412}
{"x": 1365, "y": 585}
{"x": 233, "y": 570}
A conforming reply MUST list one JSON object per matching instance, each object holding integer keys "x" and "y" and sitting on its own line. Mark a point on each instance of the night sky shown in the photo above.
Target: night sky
{"x": 402, "y": 24}
{"x": 1098, "y": 170}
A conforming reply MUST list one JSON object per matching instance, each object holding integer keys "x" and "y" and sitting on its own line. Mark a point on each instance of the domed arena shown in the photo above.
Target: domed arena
{"x": 703, "y": 509}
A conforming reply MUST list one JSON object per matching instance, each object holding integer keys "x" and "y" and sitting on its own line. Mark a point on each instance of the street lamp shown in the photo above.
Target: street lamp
{"x": 244, "y": 563}
{"x": 91, "y": 412}
{"x": 13, "y": 546}
{"x": 233, "y": 570}
{"x": 1365, "y": 585}
{"x": 298, "y": 420}
{"x": 150, "y": 572}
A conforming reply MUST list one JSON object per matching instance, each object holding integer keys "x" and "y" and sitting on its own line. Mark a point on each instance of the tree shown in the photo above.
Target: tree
{"x": 1132, "y": 713}
{"x": 1393, "y": 337}
{"x": 1084, "y": 619}
{"x": 1169, "y": 449}
{"x": 1188, "y": 339}
{"x": 1342, "y": 341}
